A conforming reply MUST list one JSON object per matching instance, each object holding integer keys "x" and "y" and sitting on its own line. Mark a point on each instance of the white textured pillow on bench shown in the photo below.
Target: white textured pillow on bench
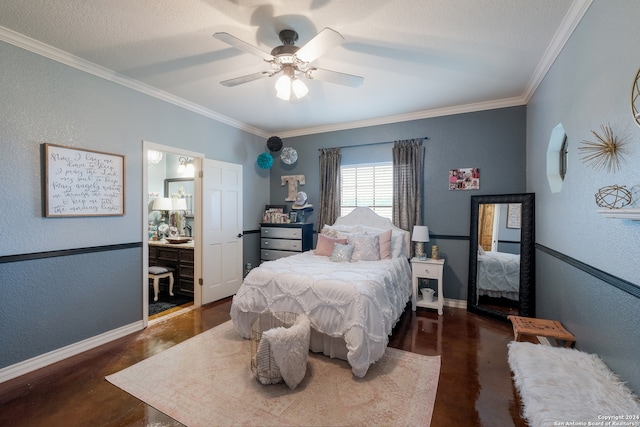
{"x": 559, "y": 384}
{"x": 290, "y": 349}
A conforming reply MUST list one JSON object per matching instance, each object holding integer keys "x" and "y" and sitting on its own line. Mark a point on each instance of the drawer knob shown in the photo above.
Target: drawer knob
{"x": 266, "y": 243}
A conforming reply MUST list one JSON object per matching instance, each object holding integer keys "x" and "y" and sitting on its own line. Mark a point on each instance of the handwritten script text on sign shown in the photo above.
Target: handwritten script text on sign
{"x": 84, "y": 183}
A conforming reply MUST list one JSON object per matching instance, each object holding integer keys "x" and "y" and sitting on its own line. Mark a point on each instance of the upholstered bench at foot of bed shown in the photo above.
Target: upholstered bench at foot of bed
{"x": 559, "y": 384}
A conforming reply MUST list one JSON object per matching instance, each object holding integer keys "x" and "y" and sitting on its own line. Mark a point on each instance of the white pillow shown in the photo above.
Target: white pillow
{"x": 397, "y": 239}
{"x": 366, "y": 247}
{"x": 398, "y": 244}
{"x": 338, "y": 231}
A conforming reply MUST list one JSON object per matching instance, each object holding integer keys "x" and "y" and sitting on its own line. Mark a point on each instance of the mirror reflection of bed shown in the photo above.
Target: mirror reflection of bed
{"x": 498, "y": 277}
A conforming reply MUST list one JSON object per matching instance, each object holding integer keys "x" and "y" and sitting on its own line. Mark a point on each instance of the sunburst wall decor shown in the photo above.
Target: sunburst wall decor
{"x": 606, "y": 152}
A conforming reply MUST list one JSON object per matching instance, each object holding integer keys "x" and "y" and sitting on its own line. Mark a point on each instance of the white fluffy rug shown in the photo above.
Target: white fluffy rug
{"x": 207, "y": 381}
{"x": 564, "y": 386}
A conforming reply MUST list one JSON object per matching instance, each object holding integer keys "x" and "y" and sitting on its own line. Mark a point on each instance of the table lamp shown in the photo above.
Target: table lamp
{"x": 162, "y": 204}
{"x": 179, "y": 205}
{"x": 420, "y": 235}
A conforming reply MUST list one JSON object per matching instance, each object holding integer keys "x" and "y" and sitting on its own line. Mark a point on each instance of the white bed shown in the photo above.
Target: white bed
{"x": 498, "y": 275}
{"x": 352, "y": 306}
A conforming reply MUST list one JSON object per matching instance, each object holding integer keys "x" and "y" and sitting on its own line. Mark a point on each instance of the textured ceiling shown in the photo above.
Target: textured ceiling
{"x": 419, "y": 58}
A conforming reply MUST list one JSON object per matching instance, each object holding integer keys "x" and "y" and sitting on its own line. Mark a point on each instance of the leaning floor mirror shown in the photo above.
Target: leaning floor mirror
{"x": 501, "y": 255}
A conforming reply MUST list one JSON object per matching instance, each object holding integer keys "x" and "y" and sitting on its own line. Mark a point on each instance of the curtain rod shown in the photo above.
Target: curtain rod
{"x": 366, "y": 145}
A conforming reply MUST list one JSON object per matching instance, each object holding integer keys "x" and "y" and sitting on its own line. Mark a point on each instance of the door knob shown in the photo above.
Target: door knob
{"x": 239, "y": 235}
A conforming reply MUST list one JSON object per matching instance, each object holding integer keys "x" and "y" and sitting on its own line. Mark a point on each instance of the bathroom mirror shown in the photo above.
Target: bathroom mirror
{"x": 501, "y": 255}
{"x": 181, "y": 187}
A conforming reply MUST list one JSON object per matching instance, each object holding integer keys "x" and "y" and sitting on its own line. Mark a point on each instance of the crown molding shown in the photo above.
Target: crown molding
{"x": 571, "y": 20}
{"x": 42, "y": 49}
{"x": 425, "y": 114}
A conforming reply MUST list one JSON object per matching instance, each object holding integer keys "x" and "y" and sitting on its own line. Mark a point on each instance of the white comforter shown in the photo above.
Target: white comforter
{"x": 359, "y": 301}
{"x": 499, "y": 274}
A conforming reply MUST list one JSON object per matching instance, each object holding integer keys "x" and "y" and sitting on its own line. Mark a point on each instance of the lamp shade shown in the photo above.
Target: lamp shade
{"x": 162, "y": 204}
{"x": 179, "y": 204}
{"x": 420, "y": 233}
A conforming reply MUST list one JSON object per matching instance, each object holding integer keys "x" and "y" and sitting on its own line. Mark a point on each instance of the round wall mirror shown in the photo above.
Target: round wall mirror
{"x": 557, "y": 151}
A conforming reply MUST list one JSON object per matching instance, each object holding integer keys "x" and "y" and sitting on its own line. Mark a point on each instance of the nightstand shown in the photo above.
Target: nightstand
{"x": 427, "y": 269}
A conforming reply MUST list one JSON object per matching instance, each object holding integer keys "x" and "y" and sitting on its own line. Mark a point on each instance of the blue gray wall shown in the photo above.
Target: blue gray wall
{"x": 493, "y": 141}
{"x": 66, "y": 295}
{"x": 589, "y": 85}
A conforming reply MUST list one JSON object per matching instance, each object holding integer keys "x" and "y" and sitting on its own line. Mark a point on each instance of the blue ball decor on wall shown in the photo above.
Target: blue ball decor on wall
{"x": 265, "y": 161}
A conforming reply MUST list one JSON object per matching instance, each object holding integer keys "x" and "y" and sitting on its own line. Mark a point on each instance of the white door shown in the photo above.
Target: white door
{"x": 221, "y": 229}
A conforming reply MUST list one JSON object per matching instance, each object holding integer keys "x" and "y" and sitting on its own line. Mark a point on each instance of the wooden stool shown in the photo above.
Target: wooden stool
{"x": 541, "y": 327}
{"x": 158, "y": 272}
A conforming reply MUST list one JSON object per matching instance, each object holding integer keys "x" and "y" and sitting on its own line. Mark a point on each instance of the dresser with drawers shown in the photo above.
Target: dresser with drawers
{"x": 282, "y": 240}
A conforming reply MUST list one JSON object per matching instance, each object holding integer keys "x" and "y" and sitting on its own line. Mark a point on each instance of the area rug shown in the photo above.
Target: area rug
{"x": 166, "y": 302}
{"x": 207, "y": 381}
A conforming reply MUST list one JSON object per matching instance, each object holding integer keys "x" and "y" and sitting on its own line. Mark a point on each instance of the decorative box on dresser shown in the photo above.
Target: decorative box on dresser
{"x": 178, "y": 256}
{"x": 283, "y": 240}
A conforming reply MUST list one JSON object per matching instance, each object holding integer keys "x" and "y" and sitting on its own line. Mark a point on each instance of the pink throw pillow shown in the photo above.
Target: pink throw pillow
{"x": 385, "y": 244}
{"x": 324, "y": 247}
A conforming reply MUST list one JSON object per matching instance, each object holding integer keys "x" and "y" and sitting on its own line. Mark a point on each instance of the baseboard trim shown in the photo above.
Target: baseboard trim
{"x": 46, "y": 359}
{"x": 455, "y": 303}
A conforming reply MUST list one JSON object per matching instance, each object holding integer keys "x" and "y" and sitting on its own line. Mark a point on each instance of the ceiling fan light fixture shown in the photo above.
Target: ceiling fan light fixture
{"x": 283, "y": 87}
{"x": 299, "y": 88}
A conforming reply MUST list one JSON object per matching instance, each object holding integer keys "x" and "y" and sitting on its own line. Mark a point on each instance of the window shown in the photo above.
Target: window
{"x": 368, "y": 185}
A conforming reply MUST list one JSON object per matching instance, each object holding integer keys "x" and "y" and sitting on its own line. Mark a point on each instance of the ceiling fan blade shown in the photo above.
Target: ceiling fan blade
{"x": 246, "y": 79}
{"x": 319, "y": 45}
{"x": 335, "y": 77}
{"x": 244, "y": 46}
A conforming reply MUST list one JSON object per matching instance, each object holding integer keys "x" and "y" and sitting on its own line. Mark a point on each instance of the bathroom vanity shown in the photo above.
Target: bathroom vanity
{"x": 176, "y": 255}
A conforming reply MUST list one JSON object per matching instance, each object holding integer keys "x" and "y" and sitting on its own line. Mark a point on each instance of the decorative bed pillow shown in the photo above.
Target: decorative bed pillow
{"x": 338, "y": 231}
{"x": 385, "y": 244}
{"x": 366, "y": 247}
{"x": 324, "y": 247}
{"x": 397, "y": 242}
{"x": 341, "y": 253}
{"x": 398, "y": 245}
{"x": 384, "y": 239}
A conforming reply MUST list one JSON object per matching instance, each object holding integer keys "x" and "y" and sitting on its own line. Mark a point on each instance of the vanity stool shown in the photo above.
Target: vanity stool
{"x": 158, "y": 272}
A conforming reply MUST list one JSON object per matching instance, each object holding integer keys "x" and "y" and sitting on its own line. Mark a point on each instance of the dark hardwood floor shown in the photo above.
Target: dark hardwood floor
{"x": 475, "y": 387}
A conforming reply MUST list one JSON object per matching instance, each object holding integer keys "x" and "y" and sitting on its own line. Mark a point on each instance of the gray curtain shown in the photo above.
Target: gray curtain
{"x": 329, "y": 209}
{"x": 408, "y": 172}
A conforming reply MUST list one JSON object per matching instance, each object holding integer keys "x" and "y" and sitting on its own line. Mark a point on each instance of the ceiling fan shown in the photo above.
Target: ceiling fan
{"x": 292, "y": 61}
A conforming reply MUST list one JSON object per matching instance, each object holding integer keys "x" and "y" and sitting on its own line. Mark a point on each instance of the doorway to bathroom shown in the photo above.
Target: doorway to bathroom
{"x": 170, "y": 255}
